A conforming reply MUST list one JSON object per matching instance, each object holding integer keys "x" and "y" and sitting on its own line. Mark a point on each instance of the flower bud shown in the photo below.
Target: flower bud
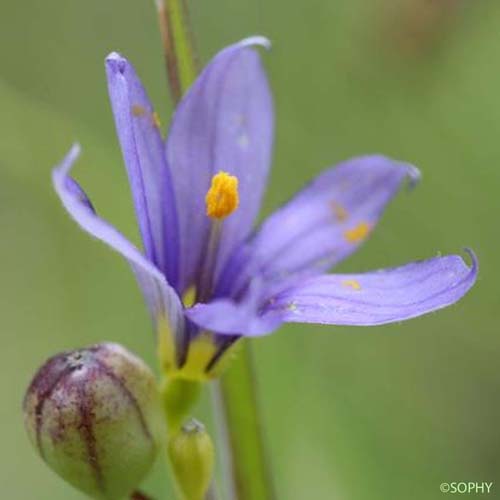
{"x": 191, "y": 453}
{"x": 95, "y": 417}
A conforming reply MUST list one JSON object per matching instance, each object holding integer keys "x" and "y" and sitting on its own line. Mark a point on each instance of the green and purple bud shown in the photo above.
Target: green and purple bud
{"x": 95, "y": 417}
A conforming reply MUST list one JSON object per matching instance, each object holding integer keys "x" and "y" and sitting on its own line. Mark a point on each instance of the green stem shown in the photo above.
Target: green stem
{"x": 212, "y": 492}
{"x": 236, "y": 398}
{"x": 178, "y": 45}
{"x": 179, "y": 396}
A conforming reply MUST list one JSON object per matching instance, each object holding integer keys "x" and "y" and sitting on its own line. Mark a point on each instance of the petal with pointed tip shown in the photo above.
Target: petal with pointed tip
{"x": 143, "y": 152}
{"x": 379, "y": 297}
{"x": 324, "y": 223}
{"x": 159, "y": 295}
{"x": 225, "y": 122}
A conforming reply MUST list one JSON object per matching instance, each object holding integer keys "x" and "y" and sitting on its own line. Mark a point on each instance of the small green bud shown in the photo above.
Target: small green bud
{"x": 94, "y": 415}
{"x": 191, "y": 453}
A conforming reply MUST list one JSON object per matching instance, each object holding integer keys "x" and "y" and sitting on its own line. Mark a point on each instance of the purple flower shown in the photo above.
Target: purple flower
{"x": 197, "y": 196}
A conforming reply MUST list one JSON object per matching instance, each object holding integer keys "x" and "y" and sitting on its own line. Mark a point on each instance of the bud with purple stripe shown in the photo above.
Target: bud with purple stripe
{"x": 94, "y": 416}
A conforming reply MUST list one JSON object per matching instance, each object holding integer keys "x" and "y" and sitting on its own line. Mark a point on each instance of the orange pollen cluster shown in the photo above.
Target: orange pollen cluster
{"x": 357, "y": 233}
{"x": 222, "y": 198}
{"x": 354, "y": 284}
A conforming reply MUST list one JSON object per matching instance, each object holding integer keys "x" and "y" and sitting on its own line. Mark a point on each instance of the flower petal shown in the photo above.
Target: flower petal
{"x": 377, "y": 297}
{"x": 143, "y": 152}
{"x": 225, "y": 122}
{"x": 226, "y": 317}
{"x": 323, "y": 224}
{"x": 161, "y": 298}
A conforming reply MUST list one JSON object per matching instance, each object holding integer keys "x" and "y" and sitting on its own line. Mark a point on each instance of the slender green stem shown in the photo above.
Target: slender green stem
{"x": 212, "y": 492}
{"x": 178, "y": 45}
{"x": 223, "y": 442}
{"x": 242, "y": 426}
{"x": 179, "y": 396}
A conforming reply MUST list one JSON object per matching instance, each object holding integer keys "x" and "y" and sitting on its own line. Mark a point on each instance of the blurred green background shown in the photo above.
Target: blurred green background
{"x": 351, "y": 413}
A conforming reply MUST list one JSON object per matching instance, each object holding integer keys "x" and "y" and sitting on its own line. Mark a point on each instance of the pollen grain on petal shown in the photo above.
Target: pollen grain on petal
{"x": 354, "y": 284}
{"x": 138, "y": 110}
{"x": 358, "y": 233}
{"x": 339, "y": 211}
{"x": 156, "y": 119}
{"x": 222, "y": 198}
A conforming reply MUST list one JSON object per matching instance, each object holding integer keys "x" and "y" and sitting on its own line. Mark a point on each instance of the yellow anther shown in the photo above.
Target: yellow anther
{"x": 354, "y": 284}
{"x": 357, "y": 233}
{"x": 222, "y": 198}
